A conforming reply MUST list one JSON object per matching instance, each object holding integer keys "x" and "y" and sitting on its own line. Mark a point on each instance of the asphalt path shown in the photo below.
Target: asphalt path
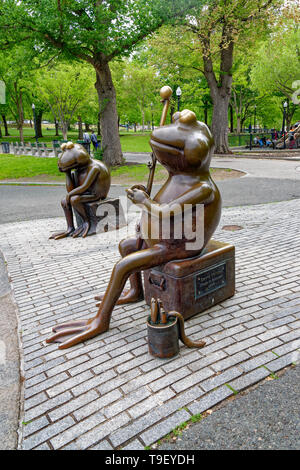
{"x": 267, "y": 418}
{"x": 18, "y": 203}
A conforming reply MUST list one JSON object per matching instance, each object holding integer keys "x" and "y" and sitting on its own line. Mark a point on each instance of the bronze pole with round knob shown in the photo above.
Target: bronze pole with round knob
{"x": 165, "y": 94}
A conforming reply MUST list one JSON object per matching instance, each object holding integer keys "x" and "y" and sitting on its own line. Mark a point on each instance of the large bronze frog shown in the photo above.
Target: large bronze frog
{"x": 184, "y": 148}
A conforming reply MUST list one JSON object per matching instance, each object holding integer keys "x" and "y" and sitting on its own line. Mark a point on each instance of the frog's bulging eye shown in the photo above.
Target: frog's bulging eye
{"x": 67, "y": 146}
{"x": 176, "y": 116}
{"x": 187, "y": 116}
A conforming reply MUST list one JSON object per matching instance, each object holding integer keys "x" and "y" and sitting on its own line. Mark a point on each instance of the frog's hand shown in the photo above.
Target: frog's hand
{"x": 92, "y": 175}
{"x": 199, "y": 194}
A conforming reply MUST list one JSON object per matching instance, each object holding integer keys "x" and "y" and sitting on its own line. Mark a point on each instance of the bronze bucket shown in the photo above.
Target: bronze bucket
{"x": 163, "y": 340}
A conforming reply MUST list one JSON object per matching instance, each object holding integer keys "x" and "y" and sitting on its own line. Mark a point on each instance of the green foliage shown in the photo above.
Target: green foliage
{"x": 277, "y": 63}
{"x": 84, "y": 28}
{"x": 64, "y": 87}
{"x": 98, "y": 154}
{"x": 137, "y": 86}
{"x": 276, "y": 68}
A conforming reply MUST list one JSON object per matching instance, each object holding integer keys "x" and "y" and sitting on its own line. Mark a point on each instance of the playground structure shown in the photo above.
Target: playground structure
{"x": 286, "y": 139}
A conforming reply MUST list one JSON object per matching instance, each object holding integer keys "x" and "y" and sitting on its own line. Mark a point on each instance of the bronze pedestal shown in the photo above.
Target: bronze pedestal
{"x": 193, "y": 285}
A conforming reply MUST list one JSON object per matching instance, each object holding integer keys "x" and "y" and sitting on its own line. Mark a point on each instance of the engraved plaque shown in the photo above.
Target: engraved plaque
{"x": 210, "y": 280}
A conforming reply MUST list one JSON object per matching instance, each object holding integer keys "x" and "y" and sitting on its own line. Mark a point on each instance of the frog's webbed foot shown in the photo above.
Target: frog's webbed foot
{"x": 77, "y": 332}
{"x": 128, "y": 296}
{"x": 60, "y": 235}
{"x": 72, "y": 324}
{"x": 82, "y": 230}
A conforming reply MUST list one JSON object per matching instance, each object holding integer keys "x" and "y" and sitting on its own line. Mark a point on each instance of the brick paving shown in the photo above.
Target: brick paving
{"x": 109, "y": 392}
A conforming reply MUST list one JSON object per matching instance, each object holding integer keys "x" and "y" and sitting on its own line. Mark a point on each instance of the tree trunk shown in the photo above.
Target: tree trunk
{"x": 205, "y": 113}
{"x": 220, "y": 89}
{"x": 143, "y": 120}
{"x": 64, "y": 128}
{"x": 39, "y": 115}
{"x": 0, "y": 132}
{"x": 238, "y": 124}
{"x": 20, "y": 119}
{"x": 20, "y": 128}
{"x": 171, "y": 113}
{"x": 231, "y": 118}
{"x": 220, "y": 123}
{"x": 112, "y": 152}
{"x": 56, "y": 128}
{"x": 6, "y": 133}
{"x": 80, "y": 131}
{"x": 98, "y": 126}
{"x": 87, "y": 127}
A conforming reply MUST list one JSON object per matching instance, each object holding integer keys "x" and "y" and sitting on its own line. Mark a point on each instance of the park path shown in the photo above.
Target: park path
{"x": 253, "y": 167}
{"x": 109, "y": 393}
{"x": 265, "y": 181}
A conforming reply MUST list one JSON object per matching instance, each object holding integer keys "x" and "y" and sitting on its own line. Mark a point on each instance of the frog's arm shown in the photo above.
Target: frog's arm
{"x": 70, "y": 183}
{"x": 199, "y": 194}
{"x": 90, "y": 178}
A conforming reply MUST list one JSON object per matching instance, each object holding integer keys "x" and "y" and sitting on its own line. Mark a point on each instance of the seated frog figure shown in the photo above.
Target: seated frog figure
{"x": 184, "y": 148}
{"x": 90, "y": 182}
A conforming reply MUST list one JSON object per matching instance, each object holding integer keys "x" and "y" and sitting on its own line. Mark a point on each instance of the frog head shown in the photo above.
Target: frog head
{"x": 73, "y": 156}
{"x": 184, "y": 146}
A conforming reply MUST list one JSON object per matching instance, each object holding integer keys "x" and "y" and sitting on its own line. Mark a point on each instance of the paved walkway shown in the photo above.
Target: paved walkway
{"x": 9, "y": 365}
{"x": 257, "y": 168}
{"x": 109, "y": 393}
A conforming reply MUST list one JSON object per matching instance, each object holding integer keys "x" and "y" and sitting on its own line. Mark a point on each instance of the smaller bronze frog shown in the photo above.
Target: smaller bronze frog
{"x": 87, "y": 180}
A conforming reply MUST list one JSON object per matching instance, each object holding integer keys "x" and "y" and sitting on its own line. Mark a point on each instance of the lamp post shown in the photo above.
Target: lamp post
{"x": 254, "y": 125}
{"x": 151, "y": 104}
{"x": 178, "y": 94}
{"x": 34, "y": 120}
{"x": 285, "y": 105}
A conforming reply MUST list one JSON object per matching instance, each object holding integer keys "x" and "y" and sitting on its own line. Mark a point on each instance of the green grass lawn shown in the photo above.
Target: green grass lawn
{"x": 48, "y": 135}
{"x": 135, "y": 143}
{"x": 14, "y": 167}
{"x": 130, "y": 142}
{"x": 45, "y": 170}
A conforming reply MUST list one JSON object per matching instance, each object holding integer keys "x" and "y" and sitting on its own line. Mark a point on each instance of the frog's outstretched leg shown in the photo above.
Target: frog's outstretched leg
{"x": 133, "y": 263}
{"x": 136, "y": 291}
{"x": 67, "y": 208}
{"x": 77, "y": 203}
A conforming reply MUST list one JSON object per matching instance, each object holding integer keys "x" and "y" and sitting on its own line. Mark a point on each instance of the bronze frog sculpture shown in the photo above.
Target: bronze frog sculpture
{"x": 89, "y": 182}
{"x": 185, "y": 149}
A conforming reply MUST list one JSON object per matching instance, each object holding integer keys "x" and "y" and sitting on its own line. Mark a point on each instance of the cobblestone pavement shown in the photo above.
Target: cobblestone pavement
{"x": 109, "y": 392}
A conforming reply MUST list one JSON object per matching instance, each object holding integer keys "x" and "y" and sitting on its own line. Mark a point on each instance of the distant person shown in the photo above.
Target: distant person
{"x": 87, "y": 141}
{"x": 94, "y": 140}
{"x": 268, "y": 142}
{"x": 86, "y": 138}
{"x": 291, "y": 134}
